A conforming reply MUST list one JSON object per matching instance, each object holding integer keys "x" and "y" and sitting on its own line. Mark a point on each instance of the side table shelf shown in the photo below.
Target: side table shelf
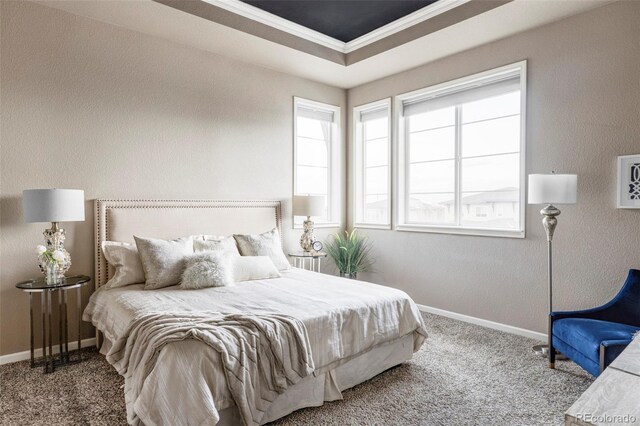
{"x": 48, "y": 361}
{"x": 307, "y": 260}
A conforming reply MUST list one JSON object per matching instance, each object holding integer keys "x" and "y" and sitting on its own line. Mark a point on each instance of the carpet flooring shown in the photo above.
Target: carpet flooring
{"x": 463, "y": 375}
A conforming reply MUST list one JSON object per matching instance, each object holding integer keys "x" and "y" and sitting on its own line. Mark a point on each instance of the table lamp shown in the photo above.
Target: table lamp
{"x": 308, "y": 205}
{"x": 551, "y": 189}
{"x": 53, "y": 205}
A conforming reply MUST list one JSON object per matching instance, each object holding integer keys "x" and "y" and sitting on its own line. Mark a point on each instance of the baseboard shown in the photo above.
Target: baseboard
{"x": 485, "y": 323}
{"x": 21, "y": 356}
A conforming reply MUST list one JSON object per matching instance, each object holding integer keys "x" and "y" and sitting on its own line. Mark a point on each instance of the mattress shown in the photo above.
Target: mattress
{"x": 345, "y": 319}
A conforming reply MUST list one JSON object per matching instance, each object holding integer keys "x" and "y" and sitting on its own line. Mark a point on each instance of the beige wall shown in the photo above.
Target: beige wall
{"x": 120, "y": 114}
{"x": 583, "y": 110}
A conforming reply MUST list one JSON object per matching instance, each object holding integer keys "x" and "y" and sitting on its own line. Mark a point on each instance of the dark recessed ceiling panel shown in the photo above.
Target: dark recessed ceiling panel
{"x": 344, "y": 20}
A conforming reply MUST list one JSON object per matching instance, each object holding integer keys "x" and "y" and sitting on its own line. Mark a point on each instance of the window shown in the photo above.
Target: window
{"x": 316, "y": 156}
{"x": 461, "y": 155}
{"x": 372, "y": 200}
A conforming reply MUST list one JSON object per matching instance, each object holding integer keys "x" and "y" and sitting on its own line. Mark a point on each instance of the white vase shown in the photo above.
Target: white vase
{"x": 52, "y": 273}
{"x": 54, "y": 240}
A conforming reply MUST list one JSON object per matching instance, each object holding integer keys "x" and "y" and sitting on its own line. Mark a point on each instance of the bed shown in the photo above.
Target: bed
{"x": 356, "y": 330}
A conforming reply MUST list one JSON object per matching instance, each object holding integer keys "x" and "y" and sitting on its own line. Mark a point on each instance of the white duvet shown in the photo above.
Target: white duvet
{"x": 344, "y": 318}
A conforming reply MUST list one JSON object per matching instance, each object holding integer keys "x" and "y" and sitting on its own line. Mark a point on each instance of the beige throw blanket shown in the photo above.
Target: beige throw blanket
{"x": 261, "y": 354}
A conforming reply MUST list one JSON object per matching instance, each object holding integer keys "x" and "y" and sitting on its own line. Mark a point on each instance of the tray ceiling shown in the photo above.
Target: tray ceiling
{"x": 441, "y": 29}
{"x": 344, "y": 20}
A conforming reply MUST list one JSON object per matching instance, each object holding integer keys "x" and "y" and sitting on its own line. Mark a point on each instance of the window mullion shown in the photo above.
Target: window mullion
{"x": 458, "y": 166}
{"x": 330, "y": 174}
{"x": 406, "y": 160}
{"x": 363, "y": 199}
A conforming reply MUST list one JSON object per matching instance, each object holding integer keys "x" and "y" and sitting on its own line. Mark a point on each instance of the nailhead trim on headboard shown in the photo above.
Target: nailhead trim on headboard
{"x": 103, "y": 206}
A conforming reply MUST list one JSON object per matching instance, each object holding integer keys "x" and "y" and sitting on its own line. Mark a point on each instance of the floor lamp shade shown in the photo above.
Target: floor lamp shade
{"x": 309, "y": 205}
{"x": 53, "y": 205}
{"x": 553, "y": 189}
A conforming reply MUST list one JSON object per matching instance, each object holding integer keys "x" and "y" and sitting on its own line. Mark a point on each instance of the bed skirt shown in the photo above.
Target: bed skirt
{"x": 314, "y": 391}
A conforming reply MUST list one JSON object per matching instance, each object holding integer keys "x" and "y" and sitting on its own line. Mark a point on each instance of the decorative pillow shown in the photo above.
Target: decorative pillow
{"x": 247, "y": 268}
{"x": 163, "y": 260}
{"x": 213, "y": 237}
{"x": 226, "y": 246}
{"x": 206, "y": 269}
{"x": 125, "y": 259}
{"x": 267, "y": 244}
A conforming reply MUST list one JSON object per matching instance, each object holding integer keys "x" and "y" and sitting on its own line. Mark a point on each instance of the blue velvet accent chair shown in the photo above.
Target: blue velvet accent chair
{"x": 593, "y": 338}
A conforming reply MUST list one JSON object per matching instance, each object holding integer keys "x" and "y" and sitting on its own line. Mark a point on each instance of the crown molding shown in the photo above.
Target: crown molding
{"x": 274, "y": 21}
{"x": 403, "y": 23}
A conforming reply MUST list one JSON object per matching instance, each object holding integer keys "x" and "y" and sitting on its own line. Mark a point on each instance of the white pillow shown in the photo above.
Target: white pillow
{"x": 206, "y": 269}
{"x": 212, "y": 237}
{"x": 225, "y": 246}
{"x": 163, "y": 261}
{"x": 125, "y": 259}
{"x": 247, "y": 268}
{"x": 266, "y": 244}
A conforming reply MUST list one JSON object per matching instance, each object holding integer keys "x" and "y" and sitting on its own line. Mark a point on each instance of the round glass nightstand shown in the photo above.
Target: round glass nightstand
{"x": 307, "y": 260}
{"x": 62, "y": 287}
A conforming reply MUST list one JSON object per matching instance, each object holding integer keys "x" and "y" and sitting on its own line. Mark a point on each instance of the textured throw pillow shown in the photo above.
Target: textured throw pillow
{"x": 212, "y": 237}
{"x": 267, "y": 244}
{"x": 163, "y": 260}
{"x": 225, "y": 246}
{"x": 125, "y": 259}
{"x": 247, "y": 268}
{"x": 206, "y": 269}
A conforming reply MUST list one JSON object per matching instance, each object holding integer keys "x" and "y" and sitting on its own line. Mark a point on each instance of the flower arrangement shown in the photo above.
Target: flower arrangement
{"x": 49, "y": 255}
{"x": 53, "y": 261}
{"x": 350, "y": 252}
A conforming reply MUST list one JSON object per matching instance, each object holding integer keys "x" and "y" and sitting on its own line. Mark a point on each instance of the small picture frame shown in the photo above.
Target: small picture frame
{"x": 629, "y": 182}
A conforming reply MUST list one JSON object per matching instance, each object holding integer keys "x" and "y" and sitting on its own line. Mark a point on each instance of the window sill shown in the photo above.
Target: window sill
{"x": 483, "y": 232}
{"x": 371, "y": 226}
{"x": 319, "y": 225}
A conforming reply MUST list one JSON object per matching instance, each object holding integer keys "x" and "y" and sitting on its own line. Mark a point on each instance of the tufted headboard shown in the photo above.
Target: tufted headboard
{"x": 120, "y": 220}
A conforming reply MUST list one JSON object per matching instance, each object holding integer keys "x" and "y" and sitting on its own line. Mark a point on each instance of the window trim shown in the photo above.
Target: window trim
{"x": 382, "y": 103}
{"x": 400, "y": 223}
{"x": 334, "y": 198}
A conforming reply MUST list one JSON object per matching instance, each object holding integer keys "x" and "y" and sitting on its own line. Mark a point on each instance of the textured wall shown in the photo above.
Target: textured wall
{"x": 583, "y": 110}
{"x": 119, "y": 114}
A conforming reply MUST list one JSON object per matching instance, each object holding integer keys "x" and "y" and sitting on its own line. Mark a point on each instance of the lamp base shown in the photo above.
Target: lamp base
{"x": 54, "y": 240}
{"x": 308, "y": 237}
{"x": 543, "y": 351}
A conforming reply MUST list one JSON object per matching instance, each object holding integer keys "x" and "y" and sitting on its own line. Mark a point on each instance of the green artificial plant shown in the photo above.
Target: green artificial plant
{"x": 350, "y": 252}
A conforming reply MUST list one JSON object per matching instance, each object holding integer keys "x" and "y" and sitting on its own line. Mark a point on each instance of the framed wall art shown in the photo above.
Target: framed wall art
{"x": 629, "y": 182}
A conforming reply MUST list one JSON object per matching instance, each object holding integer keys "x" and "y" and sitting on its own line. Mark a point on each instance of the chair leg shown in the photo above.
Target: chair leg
{"x": 602, "y": 357}
{"x": 552, "y": 351}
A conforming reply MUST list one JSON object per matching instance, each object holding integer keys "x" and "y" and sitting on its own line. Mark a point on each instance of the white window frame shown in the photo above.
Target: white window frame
{"x": 334, "y": 197}
{"x": 401, "y": 154}
{"x": 358, "y": 161}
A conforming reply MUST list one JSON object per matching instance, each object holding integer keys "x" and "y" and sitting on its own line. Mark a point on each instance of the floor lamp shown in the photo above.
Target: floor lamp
{"x": 551, "y": 189}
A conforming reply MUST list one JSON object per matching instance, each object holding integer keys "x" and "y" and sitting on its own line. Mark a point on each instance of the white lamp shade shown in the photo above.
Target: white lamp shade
{"x": 53, "y": 205}
{"x": 553, "y": 189}
{"x": 309, "y": 205}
